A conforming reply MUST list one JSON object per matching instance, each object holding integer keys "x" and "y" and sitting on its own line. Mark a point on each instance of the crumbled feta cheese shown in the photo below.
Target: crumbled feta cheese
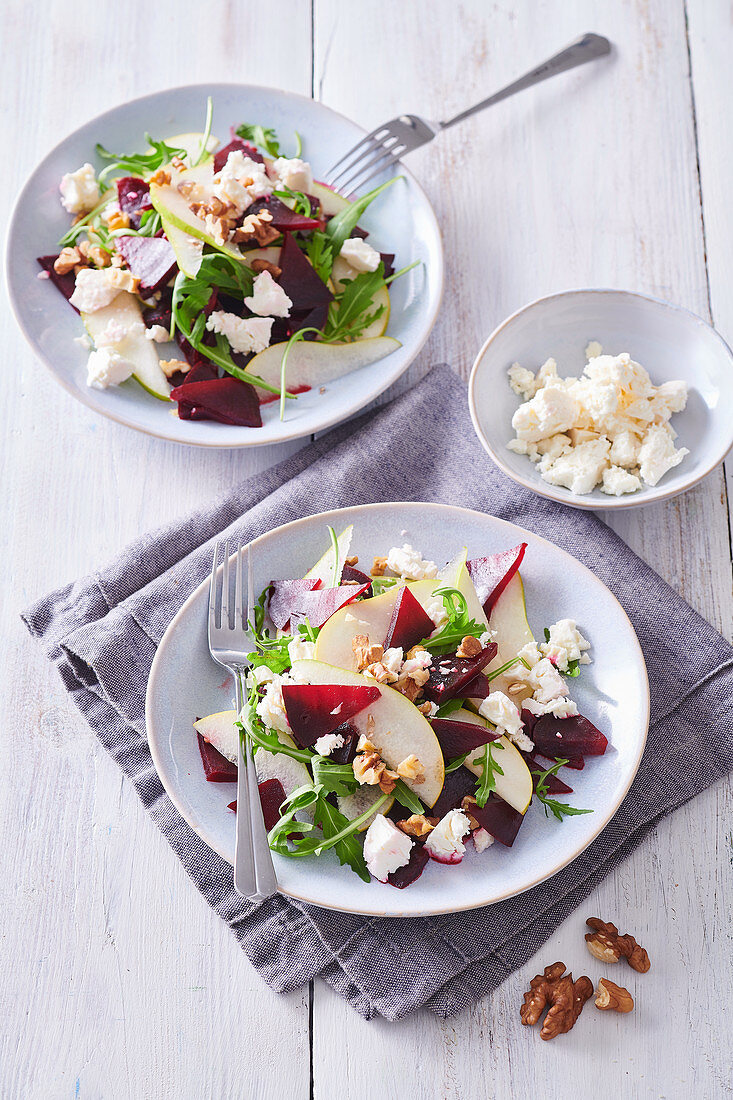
{"x": 93, "y": 290}
{"x": 580, "y": 469}
{"x": 43, "y": 275}
{"x": 410, "y": 564}
{"x": 157, "y": 333}
{"x": 271, "y": 707}
{"x": 445, "y": 841}
{"x": 79, "y": 190}
{"x": 624, "y": 449}
{"x": 360, "y": 255}
{"x": 432, "y": 711}
{"x": 530, "y": 653}
{"x": 293, "y": 173}
{"x": 325, "y": 745}
{"x": 547, "y": 681}
{"x": 550, "y": 411}
{"x": 522, "y": 381}
{"x": 301, "y": 650}
{"x": 392, "y": 660}
{"x": 593, "y": 350}
{"x": 435, "y": 610}
{"x": 110, "y": 209}
{"x": 245, "y": 334}
{"x": 555, "y": 445}
{"x": 260, "y": 675}
{"x": 107, "y": 367}
{"x": 241, "y": 181}
{"x": 84, "y": 341}
{"x": 521, "y": 447}
{"x": 417, "y": 664}
{"x": 561, "y": 708}
{"x": 487, "y": 637}
{"x": 566, "y": 644}
{"x": 617, "y": 481}
{"x": 268, "y": 297}
{"x": 482, "y": 840}
{"x": 498, "y": 709}
{"x": 657, "y": 454}
{"x": 386, "y": 848}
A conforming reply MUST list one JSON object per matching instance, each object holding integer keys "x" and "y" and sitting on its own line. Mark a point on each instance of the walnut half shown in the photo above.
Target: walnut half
{"x": 564, "y": 996}
{"x": 605, "y": 943}
{"x": 612, "y": 997}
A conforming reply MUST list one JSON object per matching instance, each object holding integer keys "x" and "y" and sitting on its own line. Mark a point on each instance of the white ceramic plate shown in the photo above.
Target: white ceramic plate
{"x": 613, "y": 692}
{"x": 670, "y": 342}
{"x": 400, "y": 221}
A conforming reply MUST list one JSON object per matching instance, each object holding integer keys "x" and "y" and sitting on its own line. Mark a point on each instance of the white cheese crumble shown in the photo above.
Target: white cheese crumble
{"x": 301, "y": 650}
{"x": 561, "y": 708}
{"x": 410, "y": 564}
{"x": 392, "y": 660}
{"x": 386, "y": 848}
{"x": 157, "y": 333}
{"x": 360, "y": 255}
{"x": 293, "y": 173}
{"x": 566, "y": 644}
{"x": 445, "y": 841}
{"x": 268, "y": 298}
{"x": 498, "y": 709}
{"x": 93, "y": 290}
{"x": 245, "y": 334}
{"x": 106, "y": 367}
{"x": 79, "y": 190}
{"x": 435, "y": 610}
{"x": 271, "y": 707}
{"x": 482, "y": 840}
{"x": 325, "y": 745}
{"x": 608, "y": 428}
{"x": 241, "y": 181}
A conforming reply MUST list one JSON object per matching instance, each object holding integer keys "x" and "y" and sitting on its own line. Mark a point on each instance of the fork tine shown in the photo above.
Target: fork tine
{"x": 214, "y": 589}
{"x": 225, "y": 620}
{"x": 385, "y": 155}
{"x": 359, "y": 179}
{"x": 239, "y": 603}
{"x": 250, "y": 588}
{"x": 369, "y": 141}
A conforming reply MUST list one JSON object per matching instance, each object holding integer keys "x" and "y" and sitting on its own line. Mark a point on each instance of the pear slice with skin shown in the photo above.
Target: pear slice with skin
{"x": 221, "y": 731}
{"x": 331, "y": 201}
{"x": 342, "y": 272}
{"x": 515, "y": 785}
{"x": 326, "y": 569}
{"x": 311, "y": 364}
{"x": 397, "y": 728}
{"x": 189, "y": 251}
{"x": 125, "y": 310}
{"x": 511, "y": 632}
{"x": 456, "y": 575}
{"x": 354, "y": 805}
{"x": 192, "y": 144}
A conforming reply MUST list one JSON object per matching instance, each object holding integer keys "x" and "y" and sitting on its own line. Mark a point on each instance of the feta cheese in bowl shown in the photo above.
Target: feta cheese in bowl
{"x": 628, "y": 405}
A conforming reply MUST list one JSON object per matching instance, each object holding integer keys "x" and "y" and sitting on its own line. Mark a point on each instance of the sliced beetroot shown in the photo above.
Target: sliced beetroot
{"x": 572, "y": 738}
{"x": 299, "y": 280}
{"x": 64, "y": 283}
{"x": 158, "y": 316}
{"x": 133, "y": 196}
{"x": 349, "y": 575}
{"x": 272, "y": 796}
{"x": 491, "y": 575}
{"x": 150, "y": 259}
{"x": 283, "y": 218}
{"x": 285, "y": 596}
{"x": 236, "y": 144}
{"x": 479, "y": 688}
{"x": 553, "y": 783}
{"x": 387, "y": 259}
{"x": 203, "y": 371}
{"x": 457, "y": 785}
{"x": 226, "y": 400}
{"x": 232, "y": 805}
{"x": 405, "y": 876}
{"x": 409, "y": 624}
{"x": 314, "y": 710}
{"x": 347, "y": 752}
{"x": 458, "y": 737}
{"x": 450, "y": 674}
{"x": 216, "y": 767}
{"x": 307, "y": 318}
{"x": 499, "y": 818}
{"x": 318, "y": 606}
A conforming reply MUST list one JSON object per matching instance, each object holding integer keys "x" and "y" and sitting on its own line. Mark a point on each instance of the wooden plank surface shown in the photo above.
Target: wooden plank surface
{"x": 115, "y": 978}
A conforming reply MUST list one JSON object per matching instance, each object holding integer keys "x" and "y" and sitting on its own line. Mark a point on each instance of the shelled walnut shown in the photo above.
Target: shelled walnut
{"x": 612, "y": 997}
{"x": 605, "y": 943}
{"x": 564, "y": 996}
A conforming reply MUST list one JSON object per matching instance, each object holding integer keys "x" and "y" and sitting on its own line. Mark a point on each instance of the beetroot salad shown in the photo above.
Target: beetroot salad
{"x": 220, "y": 278}
{"x": 399, "y": 710}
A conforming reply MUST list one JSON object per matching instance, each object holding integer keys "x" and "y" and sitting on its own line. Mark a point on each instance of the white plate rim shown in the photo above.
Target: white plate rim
{"x": 293, "y": 526}
{"x": 544, "y": 489}
{"x": 287, "y": 436}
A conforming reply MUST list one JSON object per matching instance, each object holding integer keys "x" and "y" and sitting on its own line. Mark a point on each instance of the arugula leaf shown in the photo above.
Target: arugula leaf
{"x": 138, "y": 164}
{"x": 341, "y": 225}
{"x": 338, "y": 779}
{"x": 348, "y": 314}
{"x": 263, "y": 738}
{"x": 262, "y": 136}
{"x": 458, "y": 626}
{"x": 449, "y": 707}
{"x": 456, "y": 764}
{"x": 298, "y": 201}
{"x": 503, "y": 668}
{"x": 320, "y": 253}
{"x": 206, "y": 134}
{"x": 489, "y": 770}
{"x": 382, "y": 584}
{"x": 572, "y": 670}
{"x": 349, "y": 848}
{"x": 407, "y": 798}
{"x": 551, "y": 805}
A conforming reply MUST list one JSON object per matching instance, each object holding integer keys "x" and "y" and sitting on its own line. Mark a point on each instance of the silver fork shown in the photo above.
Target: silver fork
{"x": 383, "y": 148}
{"x": 230, "y": 640}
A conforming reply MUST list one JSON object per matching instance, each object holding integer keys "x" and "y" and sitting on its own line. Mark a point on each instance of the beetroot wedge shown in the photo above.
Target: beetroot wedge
{"x": 552, "y": 783}
{"x": 298, "y": 279}
{"x": 405, "y": 876}
{"x": 236, "y": 144}
{"x": 349, "y": 575}
{"x": 449, "y": 675}
{"x": 272, "y": 797}
{"x": 65, "y": 283}
{"x": 150, "y": 259}
{"x": 347, "y": 752}
{"x": 283, "y": 218}
{"x": 478, "y": 688}
{"x": 459, "y": 737}
{"x": 318, "y": 606}
{"x": 409, "y": 623}
{"x": 499, "y": 818}
{"x": 491, "y": 575}
{"x": 314, "y": 710}
{"x": 455, "y": 788}
{"x": 285, "y": 597}
{"x": 133, "y": 196}
{"x": 217, "y": 768}
{"x": 572, "y": 738}
{"x": 226, "y": 400}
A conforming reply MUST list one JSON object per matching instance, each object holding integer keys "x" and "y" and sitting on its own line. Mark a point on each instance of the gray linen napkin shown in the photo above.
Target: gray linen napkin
{"x": 102, "y": 632}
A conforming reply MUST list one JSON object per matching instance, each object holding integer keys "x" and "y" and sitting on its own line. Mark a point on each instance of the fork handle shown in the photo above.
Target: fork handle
{"x": 254, "y": 874}
{"x": 586, "y": 48}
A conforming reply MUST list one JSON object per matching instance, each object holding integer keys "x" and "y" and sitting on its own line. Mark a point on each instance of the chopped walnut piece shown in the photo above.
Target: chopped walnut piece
{"x": 351, "y": 561}
{"x": 365, "y": 653}
{"x": 416, "y": 825}
{"x": 161, "y": 178}
{"x": 258, "y": 266}
{"x": 612, "y": 997}
{"x": 381, "y": 673}
{"x": 407, "y": 687}
{"x": 99, "y": 257}
{"x": 256, "y": 227}
{"x": 370, "y": 769}
{"x": 469, "y": 647}
{"x": 365, "y": 745}
{"x": 123, "y": 280}
{"x": 118, "y": 220}
{"x": 66, "y": 261}
{"x": 466, "y": 804}
{"x": 605, "y": 943}
{"x": 411, "y": 768}
{"x": 414, "y": 650}
{"x": 379, "y": 567}
{"x": 174, "y": 366}
{"x": 178, "y": 164}
{"x": 564, "y": 996}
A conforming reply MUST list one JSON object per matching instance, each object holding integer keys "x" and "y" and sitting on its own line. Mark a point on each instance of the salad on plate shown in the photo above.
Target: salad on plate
{"x": 399, "y": 711}
{"x": 220, "y": 278}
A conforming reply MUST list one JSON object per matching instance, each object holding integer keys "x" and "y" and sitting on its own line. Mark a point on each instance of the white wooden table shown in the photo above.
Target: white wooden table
{"x": 116, "y": 980}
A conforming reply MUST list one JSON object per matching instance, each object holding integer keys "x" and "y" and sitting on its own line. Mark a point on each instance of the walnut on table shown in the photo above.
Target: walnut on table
{"x": 612, "y": 997}
{"x": 605, "y": 943}
{"x": 564, "y": 996}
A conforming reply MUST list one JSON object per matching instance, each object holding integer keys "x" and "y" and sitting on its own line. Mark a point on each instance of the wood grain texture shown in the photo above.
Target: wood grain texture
{"x": 116, "y": 980}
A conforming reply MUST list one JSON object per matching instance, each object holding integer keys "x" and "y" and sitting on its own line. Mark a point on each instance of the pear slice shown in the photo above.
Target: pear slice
{"x": 189, "y": 251}
{"x": 222, "y": 732}
{"x": 174, "y": 209}
{"x": 342, "y": 272}
{"x": 331, "y": 201}
{"x": 456, "y": 575}
{"x": 511, "y": 633}
{"x": 324, "y": 569}
{"x": 398, "y": 728}
{"x": 515, "y": 785}
{"x": 192, "y": 144}
{"x": 311, "y": 364}
{"x": 125, "y": 310}
{"x": 354, "y": 805}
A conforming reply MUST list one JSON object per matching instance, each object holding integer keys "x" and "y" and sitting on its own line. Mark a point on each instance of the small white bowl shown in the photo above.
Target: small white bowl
{"x": 670, "y": 342}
